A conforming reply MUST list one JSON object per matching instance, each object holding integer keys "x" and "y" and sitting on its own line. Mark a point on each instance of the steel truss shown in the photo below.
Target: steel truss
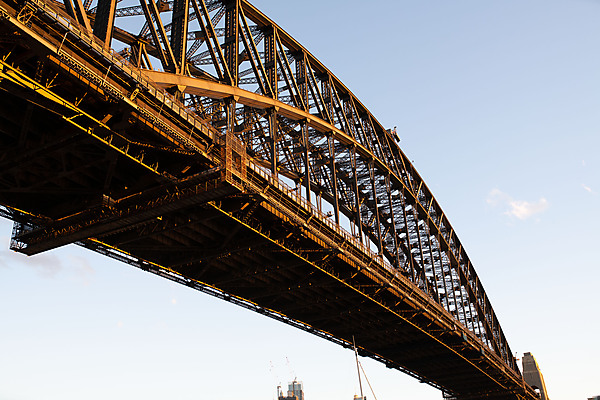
{"x": 242, "y": 95}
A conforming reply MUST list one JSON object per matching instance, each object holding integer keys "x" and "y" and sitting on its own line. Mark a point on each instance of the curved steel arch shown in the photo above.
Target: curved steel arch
{"x": 308, "y": 104}
{"x": 246, "y": 76}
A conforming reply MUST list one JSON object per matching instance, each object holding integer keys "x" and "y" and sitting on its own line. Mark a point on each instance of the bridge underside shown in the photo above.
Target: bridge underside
{"x": 81, "y": 164}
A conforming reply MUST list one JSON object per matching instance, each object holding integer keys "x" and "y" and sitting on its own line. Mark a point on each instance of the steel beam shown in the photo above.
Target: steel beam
{"x": 76, "y": 10}
{"x": 214, "y": 48}
{"x": 333, "y": 177}
{"x": 159, "y": 35}
{"x": 254, "y": 56}
{"x": 231, "y": 44}
{"x": 273, "y": 129}
{"x": 95, "y": 223}
{"x": 271, "y": 60}
{"x": 307, "y": 169}
{"x": 357, "y": 195}
{"x": 179, "y": 32}
{"x": 396, "y": 252}
{"x": 376, "y": 211}
{"x": 104, "y": 21}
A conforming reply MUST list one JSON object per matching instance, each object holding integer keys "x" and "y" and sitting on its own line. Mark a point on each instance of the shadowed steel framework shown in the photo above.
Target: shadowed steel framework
{"x": 214, "y": 150}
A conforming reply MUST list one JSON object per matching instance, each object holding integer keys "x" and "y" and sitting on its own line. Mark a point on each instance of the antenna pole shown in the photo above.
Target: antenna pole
{"x": 357, "y": 368}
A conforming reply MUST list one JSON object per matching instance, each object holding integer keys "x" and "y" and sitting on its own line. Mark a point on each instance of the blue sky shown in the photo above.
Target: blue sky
{"x": 497, "y": 104}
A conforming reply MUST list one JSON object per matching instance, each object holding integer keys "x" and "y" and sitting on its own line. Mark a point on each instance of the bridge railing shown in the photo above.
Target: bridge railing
{"x": 311, "y": 209}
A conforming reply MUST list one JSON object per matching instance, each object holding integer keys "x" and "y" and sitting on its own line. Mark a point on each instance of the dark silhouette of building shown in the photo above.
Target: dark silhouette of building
{"x": 533, "y": 376}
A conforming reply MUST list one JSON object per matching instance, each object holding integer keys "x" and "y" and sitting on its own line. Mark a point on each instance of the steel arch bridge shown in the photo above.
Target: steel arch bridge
{"x": 197, "y": 140}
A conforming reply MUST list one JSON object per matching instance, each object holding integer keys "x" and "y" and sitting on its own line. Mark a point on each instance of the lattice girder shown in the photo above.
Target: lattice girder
{"x": 419, "y": 228}
{"x": 246, "y": 77}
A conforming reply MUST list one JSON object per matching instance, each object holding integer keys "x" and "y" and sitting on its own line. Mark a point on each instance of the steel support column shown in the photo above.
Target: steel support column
{"x": 214, "y": 48}
{"x": 419, "y": 244}
{"x": 105, "y": 21}
{"x": 396, "y": 252}
{"x": 334, "y": 186}
{"x": 159, "y": 35}
{"x": 327, "y": 99}
{"x": 273, "y": 127}
{"x": 357, "y": 194}
{"x": 232, "y": 30}
{"x": 179, "y": 30}
{"x": 230, "y": 105}
{"x": 377, "y": 220}
{"x": 411, "y": 262}
{"x": 301, "y": 79}
{"x": 271, "y": 60}
{"x": 305, "y": 144}
{"x": 76, "y": 10}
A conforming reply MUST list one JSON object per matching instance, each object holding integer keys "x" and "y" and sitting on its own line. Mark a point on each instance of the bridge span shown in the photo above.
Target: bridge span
{"x": 197, "y": 140}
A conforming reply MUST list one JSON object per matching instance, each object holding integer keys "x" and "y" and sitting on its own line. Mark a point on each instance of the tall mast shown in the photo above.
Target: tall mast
{"x": 357, "y": 368}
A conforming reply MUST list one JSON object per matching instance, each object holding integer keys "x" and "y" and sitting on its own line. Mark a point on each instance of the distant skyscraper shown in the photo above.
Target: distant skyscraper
{"x": 295, "y": 389}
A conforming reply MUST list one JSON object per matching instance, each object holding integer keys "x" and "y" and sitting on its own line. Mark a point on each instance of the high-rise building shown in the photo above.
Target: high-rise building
{"x": 294, "y": 392}
{"x": 295, "y": 389}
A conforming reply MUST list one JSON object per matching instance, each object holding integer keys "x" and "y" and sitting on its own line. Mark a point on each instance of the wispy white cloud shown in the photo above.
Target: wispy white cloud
{"x": 45, "y": 265}
{"x": 587, "y": 188}
{"x": 50, "y": 266}
{"x": 525, "y": 209}
{"x": 519, "y": 209}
